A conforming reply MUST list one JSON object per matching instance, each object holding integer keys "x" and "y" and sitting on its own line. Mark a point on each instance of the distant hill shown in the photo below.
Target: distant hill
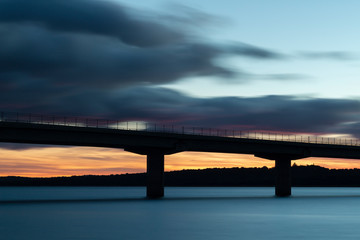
{"x": 301, "y": 176}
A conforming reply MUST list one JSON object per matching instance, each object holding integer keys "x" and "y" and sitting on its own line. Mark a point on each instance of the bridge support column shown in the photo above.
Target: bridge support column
{"x": 155, "y": 174}
{"x": 154, "y": 167}
{"x": 282, "y": 171}
{"x": 283, "y": 177}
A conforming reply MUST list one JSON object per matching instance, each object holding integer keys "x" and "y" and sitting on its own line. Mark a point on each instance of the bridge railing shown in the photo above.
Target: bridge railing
{"x": 166, "y": 128}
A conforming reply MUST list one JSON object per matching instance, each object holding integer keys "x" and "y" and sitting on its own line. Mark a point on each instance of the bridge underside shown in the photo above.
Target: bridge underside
{"x": 155, "y": 170}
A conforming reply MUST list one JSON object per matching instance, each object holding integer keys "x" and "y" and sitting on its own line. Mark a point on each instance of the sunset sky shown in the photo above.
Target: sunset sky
{"x": 280, "y": 66}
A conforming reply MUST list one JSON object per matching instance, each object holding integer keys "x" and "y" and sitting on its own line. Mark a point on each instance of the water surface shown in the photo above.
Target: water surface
{"x": 185, "y": 213}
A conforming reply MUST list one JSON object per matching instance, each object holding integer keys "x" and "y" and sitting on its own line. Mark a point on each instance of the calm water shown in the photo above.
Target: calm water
{"x": 185, "y": 213}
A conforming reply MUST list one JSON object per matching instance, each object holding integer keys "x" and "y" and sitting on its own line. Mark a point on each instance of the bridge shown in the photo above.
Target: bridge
{"x": 155, "y": 141}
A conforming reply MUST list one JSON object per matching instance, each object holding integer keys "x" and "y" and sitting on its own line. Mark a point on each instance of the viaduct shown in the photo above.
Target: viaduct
{"x": 156, "y": 143}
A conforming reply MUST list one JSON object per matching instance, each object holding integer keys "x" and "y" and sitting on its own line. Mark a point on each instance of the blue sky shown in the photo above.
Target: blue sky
{"x": 327, "y": 29}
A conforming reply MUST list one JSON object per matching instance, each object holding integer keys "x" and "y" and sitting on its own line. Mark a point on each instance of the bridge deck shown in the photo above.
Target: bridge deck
{"x": 135, "y": 141}
{"x": 150, "y": 127}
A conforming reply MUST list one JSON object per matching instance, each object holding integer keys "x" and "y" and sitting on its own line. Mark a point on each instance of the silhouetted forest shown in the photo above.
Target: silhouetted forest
{"x": 301, "y": 176}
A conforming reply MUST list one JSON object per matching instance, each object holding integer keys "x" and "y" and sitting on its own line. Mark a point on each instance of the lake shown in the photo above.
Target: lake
{"x": 207, "y": 213}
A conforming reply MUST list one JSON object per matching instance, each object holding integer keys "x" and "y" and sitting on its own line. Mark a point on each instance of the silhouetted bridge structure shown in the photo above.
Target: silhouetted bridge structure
{"x": 155, "y": 141}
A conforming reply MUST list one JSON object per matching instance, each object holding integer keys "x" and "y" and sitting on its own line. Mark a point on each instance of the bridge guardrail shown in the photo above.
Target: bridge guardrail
{"x": 151, "y": 127}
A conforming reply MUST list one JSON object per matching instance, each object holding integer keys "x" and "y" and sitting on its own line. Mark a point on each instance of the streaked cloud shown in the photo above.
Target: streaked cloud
{"x": 68, "y": 44}
{"x": 248, "y": 50}
{"x": 330, "y": 55}
{"x": 89, "y": 17}
{"x": 161, "y": 105}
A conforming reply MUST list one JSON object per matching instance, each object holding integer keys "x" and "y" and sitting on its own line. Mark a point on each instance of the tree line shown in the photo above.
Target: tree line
{"x": 308, "y": 176}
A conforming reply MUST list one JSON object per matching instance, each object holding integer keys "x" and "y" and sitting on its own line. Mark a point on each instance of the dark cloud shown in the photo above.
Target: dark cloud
{"x": 88, "y": 16}
{"x": 275, "y": 113}
{"x": 56, "y": 50}
{"x": 333, "y": 55}
{"x": 54, "y": 47}
{"x": 278, "y": 113}
{"x": 71, "y": 60}
{"x": 352, "y": 127}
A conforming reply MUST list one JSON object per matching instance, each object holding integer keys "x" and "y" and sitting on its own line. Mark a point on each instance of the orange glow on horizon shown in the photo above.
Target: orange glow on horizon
{"x": 60, "y": 161}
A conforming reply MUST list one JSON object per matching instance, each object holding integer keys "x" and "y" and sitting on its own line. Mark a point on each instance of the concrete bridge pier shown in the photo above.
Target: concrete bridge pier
{"x": 155, "y": 174}
{"x": 154, "y": 168}
{"x": 283, "y": 177}
{"x": 282, "y": 172}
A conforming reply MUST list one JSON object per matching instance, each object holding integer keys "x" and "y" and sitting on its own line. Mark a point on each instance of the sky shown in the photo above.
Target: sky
{"x": 275, "y": 66}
